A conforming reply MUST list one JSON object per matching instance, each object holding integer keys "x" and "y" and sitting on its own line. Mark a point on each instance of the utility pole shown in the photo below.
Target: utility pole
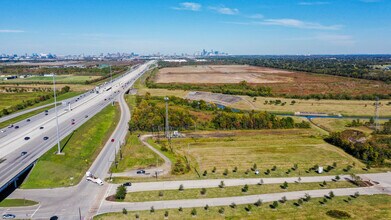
{"x": 55, "y": 109}
{"x": 111, "y": 75}
{"x": 167, "y": 128}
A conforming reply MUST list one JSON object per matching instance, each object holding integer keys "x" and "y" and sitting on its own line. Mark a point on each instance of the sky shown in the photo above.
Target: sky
{"x": 239, "y": 27}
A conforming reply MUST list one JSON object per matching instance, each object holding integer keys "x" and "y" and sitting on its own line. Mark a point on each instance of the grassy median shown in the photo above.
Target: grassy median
{"x": 80, "y": 148}
{"x": 364, "y": 207}
{"x": 229, "y": 191}
{"x": 17, "y": 202}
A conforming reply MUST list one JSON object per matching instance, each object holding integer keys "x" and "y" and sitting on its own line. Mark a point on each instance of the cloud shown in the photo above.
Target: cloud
{"x": 313, "y": 3}
{"x": 188, "y": 6}
{"x": 256, "y": 16}
{"x": 294, "y": 23}
{"x": 225, "y": 10}
{"x": 11, "y": 31}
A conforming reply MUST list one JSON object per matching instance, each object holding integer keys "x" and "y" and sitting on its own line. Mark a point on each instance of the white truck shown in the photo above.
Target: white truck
{"x": 94, "y": 179}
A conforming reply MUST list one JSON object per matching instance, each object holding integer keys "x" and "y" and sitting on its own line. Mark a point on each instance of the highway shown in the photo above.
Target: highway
{"x": 13, "y": 143}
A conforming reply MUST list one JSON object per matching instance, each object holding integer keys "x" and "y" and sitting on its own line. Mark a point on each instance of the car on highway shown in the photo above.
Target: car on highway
{"x": 2, "y": 131}
{"x": 127, "y": 184}
{"x": 86, "y": 116}
{"x": 23, "y": 153}
{"x": 16, "y": 127}
{"x": 28, "y": 120}
{"x": 41, "y": 127}
{"x": 45, "y": 138}
{"x": 112, "y": 140}
{"x": 46, "y": 111}
{"x": 140, "y": 172}
{"x": 9, "y": 216}
{"x": 73, "y": 123}
{"x": 26, "y": 138}
{"x": 11, "y": 126}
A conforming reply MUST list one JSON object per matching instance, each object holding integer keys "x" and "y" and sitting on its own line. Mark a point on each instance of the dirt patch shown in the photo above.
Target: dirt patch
{"x": 214, "y": 97}
{"x": 222, "y": 74}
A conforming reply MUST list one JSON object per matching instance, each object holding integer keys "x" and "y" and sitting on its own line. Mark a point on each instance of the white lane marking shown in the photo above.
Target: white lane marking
{"x": 35, "y": 211}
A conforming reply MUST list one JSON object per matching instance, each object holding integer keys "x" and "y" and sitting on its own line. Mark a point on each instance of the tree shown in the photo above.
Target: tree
{"x": 307, "y": 197}
{"x": 214, "y": 170}
{"x": 225, "y": 173}
{"x": 337, "y": 177}
{"x": 331, "y": 194}
{"x": 275, "y": 204}
{"x": 124, "y": 211}
{"x": 203, "y": 191}
{"x": 235, "y": 170}
{"x": 206, "y": 207}
{"x": 222, "y": 185}
{"x": 205, "y": 173}
{"x": 233, "y": 205}
{"x": 152, "y": 210}
{"x": 260, "y": 182}
{"x": 324, "y": 183}
{"x": 221, "y": 210}
{"x": 284, "y": 199}
{"x": 137, "y": 216}
{"x": 245, "y": 188}
{"x": 258, "y": 203}
{"x": 121, "y": 192}
{"x": 181, "y": 188}
{"x": 180, "y": 209}
{"x": 193, "y": 212}
{"x": 285, "y": 185}
{"x": 248, "y": 208}
{"x": 166, "y": 214}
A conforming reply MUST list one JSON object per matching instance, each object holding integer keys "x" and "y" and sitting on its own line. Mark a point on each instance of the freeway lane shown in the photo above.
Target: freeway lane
{"x": 13, "y": 145}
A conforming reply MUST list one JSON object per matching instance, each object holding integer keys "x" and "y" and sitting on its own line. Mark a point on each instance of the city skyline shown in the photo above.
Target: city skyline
{"x": 168, "y": 27}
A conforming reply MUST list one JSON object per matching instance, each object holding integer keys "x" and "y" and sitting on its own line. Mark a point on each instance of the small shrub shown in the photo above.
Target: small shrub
{"x": 206, "y": 207}
{"x": 248, "y": 208}
{"x": 180, "y": 209}
{"x": 258, "y": 203}
{"x": 285, "y": 185}
{"x": 166, "y": 214}
{"x": 335, "y": 164}
{"x": 160, "y": 193}
{"x": 337, "y": 177}
{"x": 222, "y": 185}
{"x": 214, "y": 170}
{"x": 193, "y": 212}
{"x": 124, "y": 211}
{"x": 331, "y": 194}
{"x": 275, "y": 204}
{"x": 338, "y": 214}
{"x": 205, "y": 173}
{"x": 203, "y": 191}
{"x": 164, "y": 148}
{"x": 152, "y": 210}
{"x": 284, "y": 199}
{"x": 245, "y": 188}
{"x": 120, "y": 193}
{"x": 181, "y": 188}
{"x": 225, "y": 173}
{"x": 233, "y": 205}
{"x": 247, "y": 171}
{"x": 137, "y": 216}
{"x": 307, "y": 197}
{"x": 324, "y": 183}
{"x": 356, "y": 194}
{"x": 260, "y": 182}
{"x": 221, "y": 210}
{"x": 235, "y": 170}
{"x": 274, "y": 168}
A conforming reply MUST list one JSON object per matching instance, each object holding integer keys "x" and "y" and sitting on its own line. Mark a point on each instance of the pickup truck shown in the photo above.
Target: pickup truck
{"x": 94, "y": 179}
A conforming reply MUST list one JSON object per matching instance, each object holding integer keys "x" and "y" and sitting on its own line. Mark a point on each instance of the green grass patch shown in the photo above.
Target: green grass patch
{"x": 23, "y": 117}
{"x": 17, "y": 202}
{"x": 364, "y": 207}
{"x": 229, "y": 191}
{"x": 81, "y": 149}
{"x": 135, "y": 156}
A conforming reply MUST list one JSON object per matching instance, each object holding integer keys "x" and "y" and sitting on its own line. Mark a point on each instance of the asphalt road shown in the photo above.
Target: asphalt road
{"x": 65, "y": 202}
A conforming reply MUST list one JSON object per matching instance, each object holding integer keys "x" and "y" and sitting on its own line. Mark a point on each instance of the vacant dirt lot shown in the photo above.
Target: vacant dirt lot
{"x": 222, "y": 74}
{"x": 281, "y": 81}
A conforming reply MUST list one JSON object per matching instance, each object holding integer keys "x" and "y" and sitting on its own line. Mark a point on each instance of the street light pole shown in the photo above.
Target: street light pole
{"x": 55, "y": 109}
{"x": 111, "y": 75}
{"x": 167, "y": 131}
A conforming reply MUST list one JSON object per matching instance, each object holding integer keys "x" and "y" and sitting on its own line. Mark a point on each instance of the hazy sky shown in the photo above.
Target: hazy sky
{"x": 168, "y": 26}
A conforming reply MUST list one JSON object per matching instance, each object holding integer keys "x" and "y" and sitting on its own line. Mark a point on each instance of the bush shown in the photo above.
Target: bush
{"x": 152, "y": 210}
{"x": 206, "y": 207}
{"x": 193, "y": 212}
{"x": 166, "y": 214}
{"x": 233, "y": 205}
{"x": 284, "y": 199}
{"x": 307, "y": 197}
{"x": 331, "y": 194}
{"x": 275, "y": 204}
{"x": 285, "y": 185}
{"x": 337, "y": 178}
{"x": 214, "y": 170}
{"x": 203, "y": 191}
{"x": 235, "y": 170}
{"x": 225, "y": 173}
{"x": 258, "y": 203}
{"x": 248, "y": 208}
{"x": 222, "y": 185}
{"x": 160, "y": 193}
{"x": 205, "y": 173}
{"x": 124, "y": 211}
{"x": 338, "y": 214}
{"x": 221, "y": 210}
{"x": 121, "y": 192}
{"x": 180, "y": 209}
{"x": 245, "y": 188}
{"x": 181, "y": 188}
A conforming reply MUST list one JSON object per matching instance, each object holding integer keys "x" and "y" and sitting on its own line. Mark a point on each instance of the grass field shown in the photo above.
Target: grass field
{"x": 136, "y": 156}
{"x": 266, "y": 148}
{"x": 229, "y": 191}
{"x": 372, "y": 207}
{"x": 61, "y": 79}
{"x": 332, "y": 124}
{"x": 24, "y": 116}
{"x": 17, "y": 202}
{"x": 82, "y": 147}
